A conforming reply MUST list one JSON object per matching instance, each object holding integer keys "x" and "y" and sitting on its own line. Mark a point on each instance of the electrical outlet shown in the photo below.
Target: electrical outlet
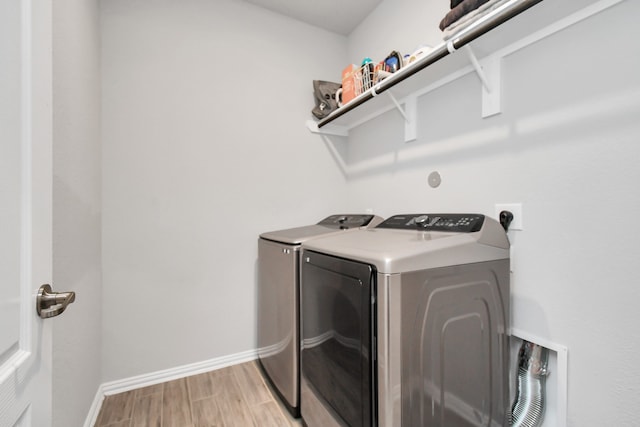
{"x": 515, "y": 209}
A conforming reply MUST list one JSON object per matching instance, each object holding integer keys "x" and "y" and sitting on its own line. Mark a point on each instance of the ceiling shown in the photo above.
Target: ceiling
{"x": 338, "y": 16}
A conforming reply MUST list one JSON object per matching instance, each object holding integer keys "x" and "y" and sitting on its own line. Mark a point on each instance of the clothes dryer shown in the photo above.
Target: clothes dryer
{"x": 406, "y": 324}
{"x": 278, "y": 300}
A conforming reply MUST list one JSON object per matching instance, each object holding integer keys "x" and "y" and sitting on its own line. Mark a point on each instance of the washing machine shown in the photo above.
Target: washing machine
{"x": 406, "y": 324}
{"x": 278, "y": 300}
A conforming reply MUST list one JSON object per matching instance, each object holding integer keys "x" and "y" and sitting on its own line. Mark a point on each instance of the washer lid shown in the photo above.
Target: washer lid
{"x": 334, "y": 224}
{"x": 398, "y": 250}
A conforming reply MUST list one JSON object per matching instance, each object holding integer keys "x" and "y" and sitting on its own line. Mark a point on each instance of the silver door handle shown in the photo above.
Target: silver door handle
{"x": 51, "y": 304}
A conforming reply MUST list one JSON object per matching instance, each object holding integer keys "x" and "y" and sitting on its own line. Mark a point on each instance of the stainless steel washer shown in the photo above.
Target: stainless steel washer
{"x": 406, "y": 324}
{"x": 278, "y": 299}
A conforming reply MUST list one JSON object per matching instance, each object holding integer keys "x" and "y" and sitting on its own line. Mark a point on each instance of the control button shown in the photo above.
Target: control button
{"x": 422, "y": 220}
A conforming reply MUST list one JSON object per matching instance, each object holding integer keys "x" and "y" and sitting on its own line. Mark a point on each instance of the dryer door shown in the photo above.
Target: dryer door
{"x": 338, "y": 338}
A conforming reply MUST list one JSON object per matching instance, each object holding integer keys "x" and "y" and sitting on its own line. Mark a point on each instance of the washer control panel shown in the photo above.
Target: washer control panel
{"x": 459, "y": 223}
{"x": 346, "y": 221}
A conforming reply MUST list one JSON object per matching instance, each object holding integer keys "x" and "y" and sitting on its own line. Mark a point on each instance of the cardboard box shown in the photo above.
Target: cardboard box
{"x": 350, "y": 83}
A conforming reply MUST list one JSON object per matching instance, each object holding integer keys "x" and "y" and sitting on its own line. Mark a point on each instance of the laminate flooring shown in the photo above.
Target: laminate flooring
{"x": 236, "y": 396}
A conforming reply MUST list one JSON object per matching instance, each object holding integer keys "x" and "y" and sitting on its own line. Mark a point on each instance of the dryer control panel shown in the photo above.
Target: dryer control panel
{"x": 458, "y": 223}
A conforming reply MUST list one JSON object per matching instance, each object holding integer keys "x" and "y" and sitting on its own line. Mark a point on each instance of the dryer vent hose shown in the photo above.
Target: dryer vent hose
{"x": 528, "y": 406}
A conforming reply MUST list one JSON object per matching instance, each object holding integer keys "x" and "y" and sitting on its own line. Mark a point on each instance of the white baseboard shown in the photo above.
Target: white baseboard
{"x": 126, "y": 384}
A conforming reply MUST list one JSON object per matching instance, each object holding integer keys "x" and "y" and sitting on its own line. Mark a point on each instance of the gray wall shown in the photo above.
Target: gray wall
{"x": 76, "y": 208}
{"x": 204, "y": 147}
{"x": 567, "y": 148}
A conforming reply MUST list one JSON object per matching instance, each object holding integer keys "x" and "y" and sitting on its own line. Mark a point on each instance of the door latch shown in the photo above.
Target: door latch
{"x": 51, "y": 304}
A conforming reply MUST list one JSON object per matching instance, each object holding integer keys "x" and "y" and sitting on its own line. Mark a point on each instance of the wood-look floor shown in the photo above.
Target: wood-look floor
{"x": 229, "y": 397}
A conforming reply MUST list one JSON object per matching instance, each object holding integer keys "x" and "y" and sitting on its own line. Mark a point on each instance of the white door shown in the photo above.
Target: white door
{"x": 25, "y": 210}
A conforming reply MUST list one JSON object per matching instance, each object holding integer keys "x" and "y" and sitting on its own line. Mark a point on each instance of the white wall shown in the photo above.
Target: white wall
{"x": 566, "y": 147}
{"x": 76, "y": 208}
{"x": 204, "y": 147}
{"x": 400, "y": 25}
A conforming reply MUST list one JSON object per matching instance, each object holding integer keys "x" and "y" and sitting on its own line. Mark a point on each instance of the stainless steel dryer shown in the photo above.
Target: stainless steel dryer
{"x": 406, "y": 324}
{"x": 278, "y": 300}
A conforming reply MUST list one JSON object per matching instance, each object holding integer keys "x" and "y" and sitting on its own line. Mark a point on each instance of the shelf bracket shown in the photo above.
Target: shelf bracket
{"x": 411, "y": 124}
{"x": 478, "y": 68}
{"x": 409, "y": 114}
{"x": 397, "y": 104}
{"x": 489, "y": 74}
{"x": 334, "y": 130}
{"x": 492, "y": 101}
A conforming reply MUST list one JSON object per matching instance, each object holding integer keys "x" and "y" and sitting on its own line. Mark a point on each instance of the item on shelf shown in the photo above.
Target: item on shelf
{"x": 339, "y": 97}
{"x": 325, "y": 97}
{"x": 459, "y": 11}
{"x": 393, "y": 62}
{"x": 378, "y": 73}
{"x": 367, "y": 74}
{"x": 351, "y": 77}
{"x": 418, "y": 53}
{"x": 471, "y": 17}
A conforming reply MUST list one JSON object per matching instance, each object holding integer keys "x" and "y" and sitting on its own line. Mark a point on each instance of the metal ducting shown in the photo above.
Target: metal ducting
{"x": 528, "y": 406}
